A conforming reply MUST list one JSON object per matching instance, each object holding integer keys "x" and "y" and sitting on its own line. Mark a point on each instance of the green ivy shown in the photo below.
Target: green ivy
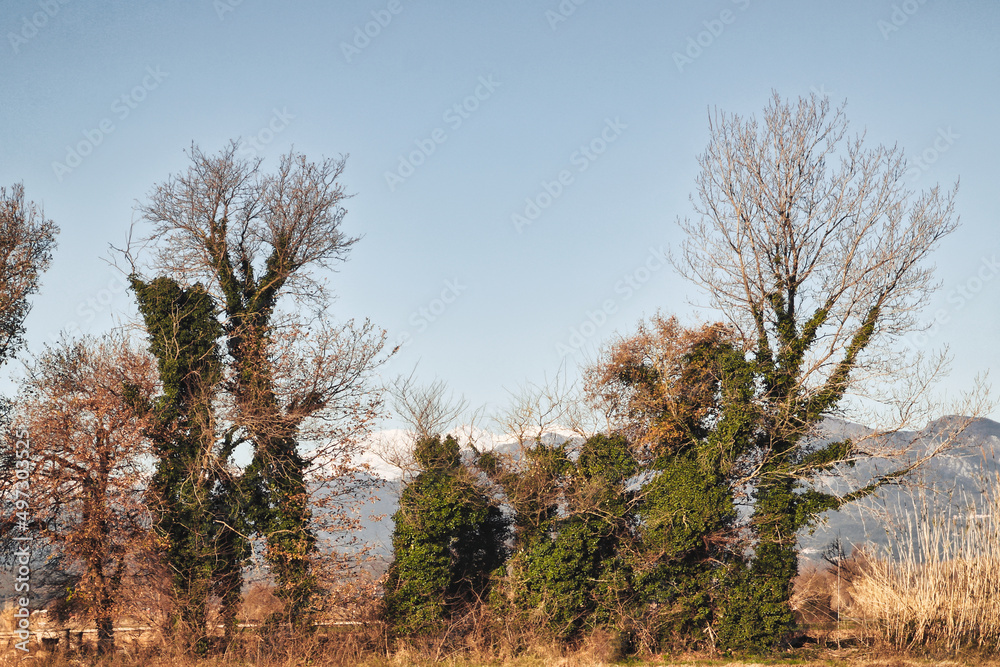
{"x": 448, "y": 538}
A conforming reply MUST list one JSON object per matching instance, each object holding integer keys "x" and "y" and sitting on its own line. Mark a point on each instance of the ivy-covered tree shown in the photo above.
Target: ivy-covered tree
{"x": 573, "y": 572}
{"x": 815, "y": 252}
{"x": 573, "y": 516}
{"x": 533, "y": 485}
{"x": 196, "y": 496}
{"x": 256, "y": 241}
{"x": 448, "y": 539}
{"x": 684, "y": 397}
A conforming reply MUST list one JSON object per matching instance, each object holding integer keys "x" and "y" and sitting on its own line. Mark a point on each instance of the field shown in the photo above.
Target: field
{"x": 583, "y": 658}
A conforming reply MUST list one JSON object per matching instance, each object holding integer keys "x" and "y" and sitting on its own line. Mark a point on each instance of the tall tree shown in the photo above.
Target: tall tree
{"x": 27, "y": 239}
{"x": 815, "y": 252}
{"x": 253, "y": 239}
{"x": 81, "y": 406}
{"x": 194, "y": 492}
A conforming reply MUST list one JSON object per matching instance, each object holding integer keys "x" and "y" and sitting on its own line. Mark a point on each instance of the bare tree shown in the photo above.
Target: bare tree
{"x": 256, "y": 240}
{"x": 537, "y": 410}
{"x": 82, "y": 406}
{"x": 427, "y": 409}
{"x": 815, "y": 252}
{"x": 27, "y": 239}
{"x": 812, "y": 247}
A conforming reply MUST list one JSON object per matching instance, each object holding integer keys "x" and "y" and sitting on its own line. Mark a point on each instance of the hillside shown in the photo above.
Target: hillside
{"x": 956, "y": 476}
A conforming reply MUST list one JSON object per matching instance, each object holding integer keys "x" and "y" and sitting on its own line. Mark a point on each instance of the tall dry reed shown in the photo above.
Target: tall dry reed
{"x": 937, "y": 586}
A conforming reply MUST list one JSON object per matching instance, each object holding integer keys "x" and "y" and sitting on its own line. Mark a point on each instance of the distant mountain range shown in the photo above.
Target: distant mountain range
{"x": 956, "y": 477}
{"x": 952, "y": 481}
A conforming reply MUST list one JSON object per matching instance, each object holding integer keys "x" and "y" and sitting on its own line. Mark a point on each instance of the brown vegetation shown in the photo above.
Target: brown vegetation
{"x": 938, "y": 586}
{"x": 807, "y": 244}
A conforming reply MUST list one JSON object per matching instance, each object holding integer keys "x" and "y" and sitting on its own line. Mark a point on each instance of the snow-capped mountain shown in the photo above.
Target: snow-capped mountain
{"x": 957, "y": 476}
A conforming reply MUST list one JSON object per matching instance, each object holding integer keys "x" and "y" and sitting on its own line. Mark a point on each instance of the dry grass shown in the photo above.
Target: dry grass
{"x": 408, "y": 660}
{"x": 367, "y": 647}
{"x": 938, "y": 586}
{"x": 824, "y": 592}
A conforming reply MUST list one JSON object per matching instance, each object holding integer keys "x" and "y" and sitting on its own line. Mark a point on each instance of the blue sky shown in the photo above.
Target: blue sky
{"x": 460, "y": 116}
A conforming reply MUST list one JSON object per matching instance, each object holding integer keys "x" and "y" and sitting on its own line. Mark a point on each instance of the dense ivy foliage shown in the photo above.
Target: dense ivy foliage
{"x": 567, "y": 569}
{"x": 198, "y": 508}
{"x": 678, "y": 526}
{"x": 449, "y": 537}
